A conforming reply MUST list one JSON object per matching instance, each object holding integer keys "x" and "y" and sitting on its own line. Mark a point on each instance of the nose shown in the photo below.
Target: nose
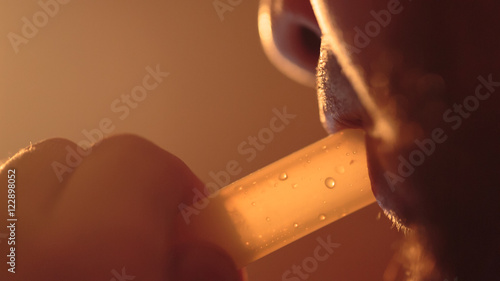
{"x": 291, "y": 37}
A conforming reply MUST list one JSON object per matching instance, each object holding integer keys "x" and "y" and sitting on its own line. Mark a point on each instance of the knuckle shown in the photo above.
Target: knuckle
{"x": 40, "y": 154}
{"x": 134, "y": 150}
{"x": 137, "y": 161}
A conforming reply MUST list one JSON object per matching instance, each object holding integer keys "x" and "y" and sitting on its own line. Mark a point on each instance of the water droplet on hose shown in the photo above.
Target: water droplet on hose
{"x": 253, "y": 203}
{"x": 295, "y": 225}
{"x": 283, "y": 176}
{"x": 330, "y": 182}
{"x": 322, "y": 217}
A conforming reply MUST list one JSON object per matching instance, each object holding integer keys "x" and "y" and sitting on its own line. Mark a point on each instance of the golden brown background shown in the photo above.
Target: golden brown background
{"x": 221, "y": 89}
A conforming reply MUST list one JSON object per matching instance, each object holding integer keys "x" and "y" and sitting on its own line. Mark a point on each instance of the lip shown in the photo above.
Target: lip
{"x": 394, "y": 201}
{"x": 340, "y": 109}
{"x": 339, "y": 105}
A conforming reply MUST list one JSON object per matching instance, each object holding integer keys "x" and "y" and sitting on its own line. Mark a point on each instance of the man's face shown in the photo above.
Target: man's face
{"x": 419, "y": 76}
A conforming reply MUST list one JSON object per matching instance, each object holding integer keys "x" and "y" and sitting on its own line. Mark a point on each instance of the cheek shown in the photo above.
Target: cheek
{"x": 414, "y": 58}
{"x": 444, "y": 170}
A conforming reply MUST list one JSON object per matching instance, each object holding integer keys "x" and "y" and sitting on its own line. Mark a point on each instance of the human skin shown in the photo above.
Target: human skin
{"x": 406, "y": 85}
{"x": 111, "y": 219}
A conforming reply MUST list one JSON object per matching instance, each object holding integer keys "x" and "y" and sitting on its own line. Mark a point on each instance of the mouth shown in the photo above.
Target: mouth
{"x": 339, "y": 109}
{"x": 339, "y": 106}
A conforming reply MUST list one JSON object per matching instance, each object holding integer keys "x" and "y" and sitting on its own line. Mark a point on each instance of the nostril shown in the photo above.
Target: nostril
{"x": 291, "y": 37}
{"x": 310, "y": 41}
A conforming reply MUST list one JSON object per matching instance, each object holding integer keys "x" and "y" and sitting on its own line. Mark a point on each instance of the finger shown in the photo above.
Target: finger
{"x": 196, "y": 261}
{"x": 117, "y": 210}
{"x": 37, "y": 183}
{"x": 33, "y": 191}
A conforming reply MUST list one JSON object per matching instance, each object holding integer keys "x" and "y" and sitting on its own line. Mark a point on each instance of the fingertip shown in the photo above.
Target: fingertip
{"x": 195, "y": 261}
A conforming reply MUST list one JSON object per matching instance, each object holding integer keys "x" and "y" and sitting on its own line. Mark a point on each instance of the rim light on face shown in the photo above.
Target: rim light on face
{"x": 383, "y": 128}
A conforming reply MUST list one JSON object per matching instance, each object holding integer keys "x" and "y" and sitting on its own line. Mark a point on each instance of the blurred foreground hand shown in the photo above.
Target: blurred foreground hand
{"x": 108, "y": 215}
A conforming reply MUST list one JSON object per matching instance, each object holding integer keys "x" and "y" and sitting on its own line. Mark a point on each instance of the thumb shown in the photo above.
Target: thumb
{"x": 202, "y": 262}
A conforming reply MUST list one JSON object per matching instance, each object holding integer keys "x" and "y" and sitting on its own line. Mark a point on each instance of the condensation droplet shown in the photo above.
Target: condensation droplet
{"x": 253, "y": 203}
{"x": 330, "y": 182}
{"x": 295, "y": 225}
{"x": 322, "y": 217}
{"x": 347, "y": 154}
{"x": 354, "y": 152}
{"x": 324, "y": 147}
{"x": 283, "y": 176}
{"x": 240, "y": 188}
{"x": 308, "y": 161}
{"x": 340, "y": 169}
{"x": 337, "y": 147}
{"x": 254, "y": 183}
{"x": 247, "y": 243}
{"x": 268, "y": 219}
{"x": 294, "y": 185}
{"x": 260, "y": 235}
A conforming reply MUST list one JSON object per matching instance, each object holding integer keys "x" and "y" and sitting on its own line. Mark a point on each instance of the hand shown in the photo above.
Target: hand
{"x": 107, "y": 215}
